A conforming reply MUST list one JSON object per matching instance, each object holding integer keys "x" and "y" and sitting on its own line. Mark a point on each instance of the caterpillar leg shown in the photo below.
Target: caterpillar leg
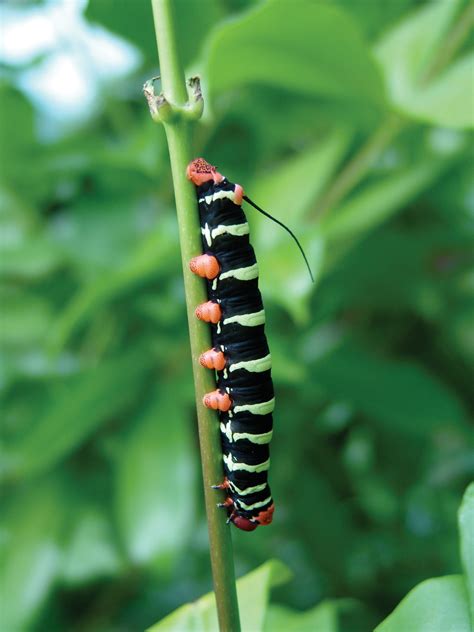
{"x": 223, "y": 485}
{"x": 217, "y": 401}
{"x": 228, "y": 502}
{"x": 212, "y": 359}
{"x": 209, "y": 312}
{"x": 205, "y": 266}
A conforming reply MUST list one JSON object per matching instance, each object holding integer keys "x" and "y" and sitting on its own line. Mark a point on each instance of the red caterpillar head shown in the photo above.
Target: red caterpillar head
{"x": 200, "y": 171}
{"x": 244, "y": 523}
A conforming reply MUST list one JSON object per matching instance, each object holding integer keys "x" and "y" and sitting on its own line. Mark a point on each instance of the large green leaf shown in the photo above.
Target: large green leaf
{"x": 25, "y": 318}
{"x": 374, "y": 17}
{"x": 288, "y": 192}
{"x": 252, "y": 591}
{"x": 155, "y": 473}
{"x": 310, "y": 48}
{"x": 78, "y": 405}
{"x": 134, "y": 21}
{"x": 15, "y": 139}
{"x": 373, "y": 205}
{"x": 323, "y": 617}
{"x": 435, "y": 605}
{"x": 377, "y": 201}
{"x": 401, "y": 394}
{"x": 155, "y": 251}
{"x": 375, "y": 264}
{"x": 30, "y": 553}
{"x": 32, "y": 260}
{"x": 407, "y": 53}
{"x": 92, "y": 550}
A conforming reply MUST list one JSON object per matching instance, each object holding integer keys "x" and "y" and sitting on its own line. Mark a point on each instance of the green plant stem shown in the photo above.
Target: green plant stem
{"x": 179, "y": 144}
{"x": 453, "y": 42}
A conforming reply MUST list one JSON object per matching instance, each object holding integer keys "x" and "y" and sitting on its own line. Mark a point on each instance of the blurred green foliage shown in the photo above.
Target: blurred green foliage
{"x": 103, "y": 525}
{"x": 436, "y": 605}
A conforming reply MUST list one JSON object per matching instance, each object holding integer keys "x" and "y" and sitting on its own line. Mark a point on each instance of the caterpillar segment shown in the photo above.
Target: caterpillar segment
{"x": 240, "y": 356}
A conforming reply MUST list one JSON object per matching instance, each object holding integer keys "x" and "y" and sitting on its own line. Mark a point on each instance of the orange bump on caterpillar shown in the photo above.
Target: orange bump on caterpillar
{"x": 265, "y": 517}
{"x": 209, "y": 312}
{"x": 217, "y": 401}
{"x": 212, "y": 359}
{"x": 205, "y": 266}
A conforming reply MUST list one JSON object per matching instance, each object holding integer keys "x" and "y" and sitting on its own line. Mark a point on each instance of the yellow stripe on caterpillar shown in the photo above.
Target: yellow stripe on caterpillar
{"x": 260, "y": 503}
{"x": 245, "y": 467}
{"x": 263, "y": 408}
{"x": 247, "y": 320}
{"x": 247, "y": 490}
{"x": 253, "y": 366}
{"x": 241, "y": 274}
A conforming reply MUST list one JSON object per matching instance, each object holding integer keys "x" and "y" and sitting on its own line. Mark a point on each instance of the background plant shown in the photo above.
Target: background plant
{"x": 350, "y": 122}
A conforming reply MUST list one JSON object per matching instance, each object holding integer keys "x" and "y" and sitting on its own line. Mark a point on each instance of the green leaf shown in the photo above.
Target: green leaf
{"x": 375, "y": 264}
{"x": 466, "y": 531}
{"x": 252, "y": 591}
{"x": 30, "y": 553}
{"x": 99, "y": 235}
{"x": 78, "y": 405}
{"x": 155, "y": 473}
{"x": 192, "y": 19}
{"x": 313, "y": 167}
{"x": 92, "y": 550}
{"x": 32, "y": 260}
{"x": 406, "y": 53}
{"x": 24, "y": 250}
{"x": 323, "y": 617}
{"x": 314, "y": 50}
{"x": 379, "y": 200}
{"x": 435, "y": 605}
{"x": 400, "y": 394}
{"x": 18, "y": 219}
{"x": 445, "y": 100}
{"x": 117, "y": 17}
{"x": 374, "y": 17}
{"x": 25, "y": 318}
{"x": 16, "y": 129}
{"x": 278, "y": 255}
{"x": 151, "y": 254}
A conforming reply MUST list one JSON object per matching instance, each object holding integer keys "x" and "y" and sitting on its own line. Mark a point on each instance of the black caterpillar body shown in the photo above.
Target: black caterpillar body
{"x": 240, "y": 354}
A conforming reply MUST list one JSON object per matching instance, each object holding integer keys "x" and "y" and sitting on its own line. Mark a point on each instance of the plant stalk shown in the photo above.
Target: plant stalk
{"x": 178, "y": 134}
{"x": 356, "y": 169}
{"x": 452, "y": 43}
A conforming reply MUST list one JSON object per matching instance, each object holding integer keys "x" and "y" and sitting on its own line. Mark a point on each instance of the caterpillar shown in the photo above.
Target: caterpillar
{"x": 240, "y": 355}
